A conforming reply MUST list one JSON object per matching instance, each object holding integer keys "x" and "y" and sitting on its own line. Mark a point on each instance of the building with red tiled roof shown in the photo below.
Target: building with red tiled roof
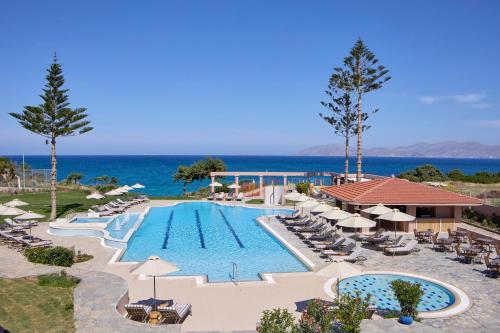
{"x": 433, "y": 208}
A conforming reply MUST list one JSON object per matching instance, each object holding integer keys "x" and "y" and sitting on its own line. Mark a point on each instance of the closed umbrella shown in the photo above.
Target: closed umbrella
{"x": 138, "y": 186}
{"x": 154, "y": 267}
{"x": 16, "y": 203}
{"x": 396, "y": 216}
{"x": 321, "y": 208}
{"x": 95, "y": 195}
{"x": 356, "y": 221}
{"x": 378, "y": 209}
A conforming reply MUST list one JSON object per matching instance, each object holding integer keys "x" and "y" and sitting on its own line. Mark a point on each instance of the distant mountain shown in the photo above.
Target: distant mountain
{"x": 438, "y": 149}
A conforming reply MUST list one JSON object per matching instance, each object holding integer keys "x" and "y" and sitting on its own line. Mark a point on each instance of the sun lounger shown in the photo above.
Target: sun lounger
{"x": 403, "y": 250}
{"x": 354, "y": 256}
{"x": 398, "y": 242}
{"x": 211, "y": 196}
{"x": 174, "y": 314}
{"x": 332, "y": 246}
{"x": 138, "y": 312}
{"x": 25, "y": 225}
{"x": 294, "y": 215}
{"x": 39, "y": 243}
{"x": 230, "y": 197}
{"x": 379, "y": 240}
{"x": 220, "y": 196}
{"x": 321, "y": 236}
{"x": 298, "y": 222}
{"x": 341, "y": 252}
{"x": 315, "y": 227}
{"x": 239, "y": 197}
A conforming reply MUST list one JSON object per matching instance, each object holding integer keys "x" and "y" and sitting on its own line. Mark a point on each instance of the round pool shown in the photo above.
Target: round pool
{"x": 435, "y": 298}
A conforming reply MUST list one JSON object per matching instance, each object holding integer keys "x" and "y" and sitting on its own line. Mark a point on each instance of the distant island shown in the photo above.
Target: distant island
{"x": 438, "y": 149}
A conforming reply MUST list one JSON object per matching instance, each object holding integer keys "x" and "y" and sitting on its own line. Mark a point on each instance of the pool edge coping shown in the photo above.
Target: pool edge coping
{"x": 462, "y": 301}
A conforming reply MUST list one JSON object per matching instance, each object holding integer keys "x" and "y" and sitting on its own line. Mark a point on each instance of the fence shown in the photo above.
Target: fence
{"x": 29, "y": 180}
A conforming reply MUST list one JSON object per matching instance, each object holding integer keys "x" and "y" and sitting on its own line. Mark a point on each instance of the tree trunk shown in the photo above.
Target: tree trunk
{"x": 185, "y": 189}
{"x": 53, "y": 181}
{"x": 346, "y": 172}
{"x": 360, "y": 130}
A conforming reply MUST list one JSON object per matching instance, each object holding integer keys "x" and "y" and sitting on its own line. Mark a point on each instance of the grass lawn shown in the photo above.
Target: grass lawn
{"x": 67, "y": 201}
{"x": 26, "y": 306}
{"x": 255, "y": 201}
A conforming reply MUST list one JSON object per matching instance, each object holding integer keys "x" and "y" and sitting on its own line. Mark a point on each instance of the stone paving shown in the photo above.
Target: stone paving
{"x": 483, "y": 291}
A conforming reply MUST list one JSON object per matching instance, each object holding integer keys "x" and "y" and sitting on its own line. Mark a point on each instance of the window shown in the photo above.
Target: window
{"x": 426, "y": 212}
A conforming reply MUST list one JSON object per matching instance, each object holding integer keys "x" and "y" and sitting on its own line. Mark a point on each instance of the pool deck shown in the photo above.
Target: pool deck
{"x": 236, "y": 307}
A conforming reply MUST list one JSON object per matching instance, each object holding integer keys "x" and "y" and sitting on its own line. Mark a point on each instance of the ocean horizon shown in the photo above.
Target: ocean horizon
{"x": 156, "y": 171}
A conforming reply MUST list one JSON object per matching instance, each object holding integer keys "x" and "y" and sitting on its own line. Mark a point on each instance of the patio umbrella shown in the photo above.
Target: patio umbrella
{"x": 378, "y": 209}
{"x": 335, "y": 214}
{"x": 292, "y": 196}
{"x": 121, "y": 189}
{"x": 154, "y": 267}
{"x": 321, "y": 208}
{"x": 2, "y": 207}
{"x": 12, "y": 211}
{"x": 137, "y": 186}
{"x": 396, "y": 216}
{"x": 16, "y": 203}
{"x": 215, "y": 184}
{"x": 126, "y": 187}
{"x": 356, "y": 221}
{"x": 303, "y": 197}
{"x": 308, "y": 204}
{"x": 113, "y": 192}
{"x": 29, "y": 216}
{"x": 95, "y": 195}
{"x": 234, "y": 185}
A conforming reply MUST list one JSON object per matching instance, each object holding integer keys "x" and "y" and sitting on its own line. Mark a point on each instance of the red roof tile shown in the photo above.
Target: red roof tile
{"x": 395, "y": 191}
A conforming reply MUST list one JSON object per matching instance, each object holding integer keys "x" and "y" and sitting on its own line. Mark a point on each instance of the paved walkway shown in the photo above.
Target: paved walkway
{"x": 484, "y": 292}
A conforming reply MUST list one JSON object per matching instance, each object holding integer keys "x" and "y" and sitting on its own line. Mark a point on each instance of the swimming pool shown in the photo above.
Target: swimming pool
{"x": 79, "y": 219}
{"x": 436, "y": 297}
{"x": 119, "y": 226}
{"x": 204, "y": 238}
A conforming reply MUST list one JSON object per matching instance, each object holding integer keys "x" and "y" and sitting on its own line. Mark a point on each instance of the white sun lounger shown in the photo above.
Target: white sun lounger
{"x": 407, "y": 249}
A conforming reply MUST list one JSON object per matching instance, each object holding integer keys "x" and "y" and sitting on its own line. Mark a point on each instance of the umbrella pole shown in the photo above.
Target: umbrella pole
{"x": 154, "y": 292}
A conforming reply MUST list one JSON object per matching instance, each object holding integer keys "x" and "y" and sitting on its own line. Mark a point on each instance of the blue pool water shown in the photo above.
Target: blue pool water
{"x": 91, "y": 220}
{"x": 378, "y": 286}
{"x": 204, "y": 238}
{"x": 121, "y": 224}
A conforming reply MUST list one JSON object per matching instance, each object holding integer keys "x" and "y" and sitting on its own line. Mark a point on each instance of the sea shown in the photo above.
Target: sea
{"x": 155, "y": 172}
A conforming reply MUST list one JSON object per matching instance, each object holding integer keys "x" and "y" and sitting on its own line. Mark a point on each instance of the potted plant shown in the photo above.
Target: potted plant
{"x": 409, "y": 295}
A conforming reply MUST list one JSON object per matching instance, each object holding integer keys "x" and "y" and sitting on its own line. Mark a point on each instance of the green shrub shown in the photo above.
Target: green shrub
{"x": 59, "y": 280}
{"x": 317, "y": 318}
{"x": 424, "y": 173}
{"x": 303, "y": 188}
{"x": 409, "y": 295}
{"x": 350, "y": 311}
{"x": 276, "y": 321}
{"x": 56, "y": 256}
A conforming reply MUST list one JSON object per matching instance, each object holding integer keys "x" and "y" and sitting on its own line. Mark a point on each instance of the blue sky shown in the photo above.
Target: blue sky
{"x": 246, "y": 77}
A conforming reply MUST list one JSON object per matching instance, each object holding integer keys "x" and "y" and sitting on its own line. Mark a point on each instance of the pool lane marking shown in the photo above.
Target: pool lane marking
{"x": 167, "y": 233}
{"x": 224, "y": 218}
{"x": 200, "y": 232}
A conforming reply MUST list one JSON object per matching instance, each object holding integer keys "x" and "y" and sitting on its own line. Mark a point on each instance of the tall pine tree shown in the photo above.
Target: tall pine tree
{"x": 54, "y": 119}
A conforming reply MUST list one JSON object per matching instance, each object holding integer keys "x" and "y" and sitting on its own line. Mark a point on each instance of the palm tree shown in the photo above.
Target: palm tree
{"x": 364, "y": 76}
{"x": 53, "y": 119}
{"x": 183, "y": 174}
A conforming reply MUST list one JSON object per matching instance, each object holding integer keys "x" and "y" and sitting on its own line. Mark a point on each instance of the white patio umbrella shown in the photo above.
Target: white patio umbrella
{"x": 128, "y": 188}
{"x": 29, "y": 216}
{"x": 137, "y": 186}
{"x": 12, "y": 211}
{"x": 378, "y": 209}
{"x": 293, "y": 196}
{"x": 303, "y": 197}
{"x": 16, "y": 203}
{"x": 321, "y": 208}
{"x": 234, "y": 185}
{"x": 154, "y": 267}
{"x": 215, "y": 184}
{"x": 121, "y": 189}
{"x": 335, "y": 214}
{"x": 396, "y": 216}
{"x": 95, "y": 195}
{"x": 356, "y": 221}
{"x": 113, "y": 192}
{"x": 309, "y": 204}
{"x": 2, "y": 207}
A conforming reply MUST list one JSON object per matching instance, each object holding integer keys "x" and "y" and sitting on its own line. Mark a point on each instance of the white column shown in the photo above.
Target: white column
{"x": 261, "y": 189}
{"x": 212, "y": 187}
{"x": 285, "y": 187}
{"x": 237, "y": 183}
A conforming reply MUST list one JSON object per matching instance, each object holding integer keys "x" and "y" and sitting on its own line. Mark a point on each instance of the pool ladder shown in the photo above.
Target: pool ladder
{"x": 235, "y": 272}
